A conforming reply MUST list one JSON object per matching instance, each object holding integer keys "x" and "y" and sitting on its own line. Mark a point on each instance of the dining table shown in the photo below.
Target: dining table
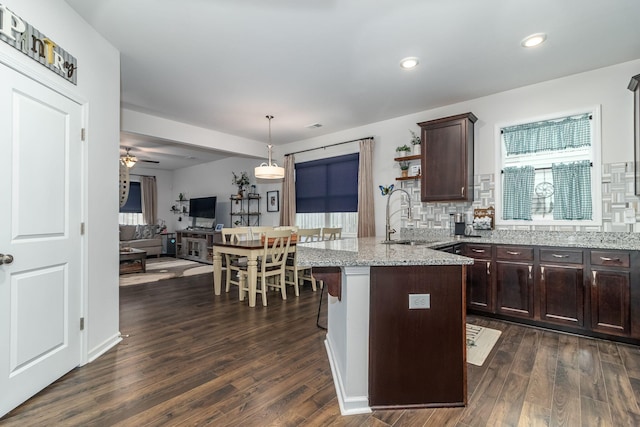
{"x": 251, "y": 249}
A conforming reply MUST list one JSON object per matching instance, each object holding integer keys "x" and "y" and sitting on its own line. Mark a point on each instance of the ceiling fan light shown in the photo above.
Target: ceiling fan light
{"x": 129, "y": 161}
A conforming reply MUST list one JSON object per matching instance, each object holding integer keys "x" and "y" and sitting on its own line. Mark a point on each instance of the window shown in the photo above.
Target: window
{"x": 131, "y": 212}
{"x": 549, "y": 171}
{"x": 327, "y": 193}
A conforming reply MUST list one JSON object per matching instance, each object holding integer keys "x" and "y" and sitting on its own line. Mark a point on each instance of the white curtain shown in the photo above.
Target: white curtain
{"x": 288, "y": 209}
{"x": 366, "y": 216}
{"x": 149, "y": 194}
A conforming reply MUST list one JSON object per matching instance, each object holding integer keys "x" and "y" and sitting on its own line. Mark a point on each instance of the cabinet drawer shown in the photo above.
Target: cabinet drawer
{"x": 610, "y": 258}
{"x": 561, "y": 256}
{"x": 520, "y": 253}
{"x": 477, "y": 251}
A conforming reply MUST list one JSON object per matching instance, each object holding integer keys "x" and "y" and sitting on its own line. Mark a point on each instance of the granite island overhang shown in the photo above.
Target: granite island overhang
{"x": 396, "y": 323}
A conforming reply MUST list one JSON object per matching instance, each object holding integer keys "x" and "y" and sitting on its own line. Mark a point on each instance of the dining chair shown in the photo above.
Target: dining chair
{"x": 329, "y": 233}
{"x": 271, "y": 266}
{"x": 233, "y": 262}
{"x": 296, "y": 276}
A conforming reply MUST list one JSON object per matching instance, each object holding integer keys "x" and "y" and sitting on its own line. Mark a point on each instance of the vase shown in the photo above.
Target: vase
{"x": 240, "y": 193}
{"x": 416, "y": 149}
{"x": 404, "y": 173}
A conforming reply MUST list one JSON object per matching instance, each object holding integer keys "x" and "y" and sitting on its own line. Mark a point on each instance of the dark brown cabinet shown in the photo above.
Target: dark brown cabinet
{"x": 561, "y": 287}
{"x": 479, "y": 275}
{"x": 514, "y": 281}
{"x": 447, "y": 158}
{"x": 417, "y": 356}
{"x": 610, "y": 289}
{"x": 592, "y": 292}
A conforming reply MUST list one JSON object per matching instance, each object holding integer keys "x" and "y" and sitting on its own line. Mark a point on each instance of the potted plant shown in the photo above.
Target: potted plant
{"x": 241, "y": 180}
{"x": 404, "y": 169}
{"x": 403, "y": 150}
{"x": 415, "y": 142}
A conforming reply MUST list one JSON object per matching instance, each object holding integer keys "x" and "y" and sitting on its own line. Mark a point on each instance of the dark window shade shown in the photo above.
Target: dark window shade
{"x": 134, "y": 202}
{"x": 328, "y": 185}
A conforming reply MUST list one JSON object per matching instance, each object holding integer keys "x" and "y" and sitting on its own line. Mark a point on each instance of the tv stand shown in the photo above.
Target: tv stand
{"x": 195, "y": 245}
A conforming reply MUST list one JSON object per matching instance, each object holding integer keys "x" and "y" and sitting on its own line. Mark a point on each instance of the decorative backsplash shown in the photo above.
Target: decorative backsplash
{"x": 617, "y": 196}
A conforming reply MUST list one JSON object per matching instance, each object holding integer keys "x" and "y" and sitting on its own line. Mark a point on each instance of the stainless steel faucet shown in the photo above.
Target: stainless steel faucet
{"x": 388, "y": 230}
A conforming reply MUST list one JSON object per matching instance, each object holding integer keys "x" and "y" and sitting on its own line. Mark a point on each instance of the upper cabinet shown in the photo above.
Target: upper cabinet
{"x": 447, "y": 159}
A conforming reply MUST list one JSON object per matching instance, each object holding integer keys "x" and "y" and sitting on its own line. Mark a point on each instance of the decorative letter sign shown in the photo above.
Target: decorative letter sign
{"x": 19, "y": 34}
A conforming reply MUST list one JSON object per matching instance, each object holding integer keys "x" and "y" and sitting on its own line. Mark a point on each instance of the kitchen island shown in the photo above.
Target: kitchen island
{"x": 396, "y": 323}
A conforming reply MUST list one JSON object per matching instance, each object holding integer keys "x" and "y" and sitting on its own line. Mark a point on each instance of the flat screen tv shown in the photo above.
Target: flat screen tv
{"x": 202, "y": 207}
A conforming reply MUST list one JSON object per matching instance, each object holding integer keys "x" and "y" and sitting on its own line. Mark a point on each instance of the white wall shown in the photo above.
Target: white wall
{"x": 98, "y": 84}
{"x": 214, "y": 179}
{"x": 606, "y": 86}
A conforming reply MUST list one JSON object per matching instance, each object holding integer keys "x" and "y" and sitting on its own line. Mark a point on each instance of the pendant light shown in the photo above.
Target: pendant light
{"x": 269, "y": 170}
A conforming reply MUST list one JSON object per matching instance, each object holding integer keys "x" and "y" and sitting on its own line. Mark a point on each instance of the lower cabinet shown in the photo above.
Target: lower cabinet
{"x": 514, "y": 280}
{"x": 561, "y": 286}
{"x": 610, "y": 291}
{"x": 592, "y": 292}
{"x": 479, "y": 275}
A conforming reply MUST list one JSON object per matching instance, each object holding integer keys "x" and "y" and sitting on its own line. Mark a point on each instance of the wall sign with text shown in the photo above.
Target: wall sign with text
{"x": 21, "y": 35}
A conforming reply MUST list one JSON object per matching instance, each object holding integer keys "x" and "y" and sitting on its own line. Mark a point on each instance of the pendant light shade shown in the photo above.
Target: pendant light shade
{"x": 269, "y": 170}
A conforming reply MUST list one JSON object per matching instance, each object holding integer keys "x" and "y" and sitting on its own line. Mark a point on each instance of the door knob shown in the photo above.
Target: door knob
{"x": 6, "y": 259}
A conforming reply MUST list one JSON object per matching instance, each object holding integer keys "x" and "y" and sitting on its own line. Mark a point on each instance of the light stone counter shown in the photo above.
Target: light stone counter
{"x": 371, "y": 251}
{"x": 586, "y": 240}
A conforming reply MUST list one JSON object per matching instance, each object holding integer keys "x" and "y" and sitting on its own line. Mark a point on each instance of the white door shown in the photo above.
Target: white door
{"x": 40, "y": 193}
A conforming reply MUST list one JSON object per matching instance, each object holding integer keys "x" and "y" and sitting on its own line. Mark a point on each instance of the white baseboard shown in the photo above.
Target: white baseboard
{"x": 349, "y": 405}
{"x": 105, "y": 346}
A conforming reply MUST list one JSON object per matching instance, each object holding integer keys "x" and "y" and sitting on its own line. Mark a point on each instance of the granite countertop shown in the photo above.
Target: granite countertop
{"x": 370, "y": 251}
{"x": 586, "y": 240}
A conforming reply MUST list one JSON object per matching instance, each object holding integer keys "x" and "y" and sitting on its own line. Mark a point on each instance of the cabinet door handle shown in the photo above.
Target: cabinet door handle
{"x": 530, "y": 269}
{"x": 488, "y": 268}
{"x": 542, "y": 274}
{"x": 478, "y": 251}
{"x": 462, "y": 191}
{"x": 595, "y": 279}
{"x": 513, "y": 253}
{"x": 604, "y": 258}
{"x": 559, "y": 256}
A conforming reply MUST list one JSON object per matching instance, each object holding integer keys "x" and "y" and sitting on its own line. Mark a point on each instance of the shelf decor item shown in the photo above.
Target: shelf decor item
{"x": 403, "y": 150}
{"x": 415, "y": 142}
{"x": 404, "y": 169}
{"x": 241, "y": 180}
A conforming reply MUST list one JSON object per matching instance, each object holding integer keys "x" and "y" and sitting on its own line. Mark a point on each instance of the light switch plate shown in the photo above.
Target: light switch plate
{"x": 419, "y": 301}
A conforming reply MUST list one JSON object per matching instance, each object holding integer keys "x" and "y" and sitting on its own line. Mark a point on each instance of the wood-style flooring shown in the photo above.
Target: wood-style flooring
{"x": 190, "y": 358}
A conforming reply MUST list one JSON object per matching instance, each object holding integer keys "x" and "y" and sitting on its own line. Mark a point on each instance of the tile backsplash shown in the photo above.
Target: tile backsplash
{"x": 617, "y": 196}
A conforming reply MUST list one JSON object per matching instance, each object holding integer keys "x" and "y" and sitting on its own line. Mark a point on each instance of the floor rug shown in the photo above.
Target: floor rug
{"x": 480, "y": 341}
{"x": 165, "y": 268}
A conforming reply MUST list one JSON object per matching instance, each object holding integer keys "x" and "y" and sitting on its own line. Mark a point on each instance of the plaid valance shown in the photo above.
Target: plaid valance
{"x": 551, "y": 135}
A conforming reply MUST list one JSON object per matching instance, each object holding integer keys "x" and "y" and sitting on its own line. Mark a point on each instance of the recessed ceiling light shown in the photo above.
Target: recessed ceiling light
{"x": 409, "y": 63}
{"x": 533, "y": 40}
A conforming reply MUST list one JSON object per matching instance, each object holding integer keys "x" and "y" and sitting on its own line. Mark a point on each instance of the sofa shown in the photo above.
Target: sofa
{"x": 144, "y": 237}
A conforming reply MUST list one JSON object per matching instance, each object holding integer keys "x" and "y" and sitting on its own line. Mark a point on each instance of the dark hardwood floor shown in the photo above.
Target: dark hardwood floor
{"x": 192, "y": 359}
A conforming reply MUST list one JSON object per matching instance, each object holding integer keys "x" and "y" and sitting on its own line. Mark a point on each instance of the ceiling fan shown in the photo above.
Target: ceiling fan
{"x": 129, "y": 160}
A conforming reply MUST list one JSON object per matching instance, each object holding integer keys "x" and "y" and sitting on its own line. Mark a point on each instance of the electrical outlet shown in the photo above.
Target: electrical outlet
{"x": 419, "y": 301}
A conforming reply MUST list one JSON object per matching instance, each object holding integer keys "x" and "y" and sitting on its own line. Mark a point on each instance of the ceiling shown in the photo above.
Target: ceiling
{"x": 226, "y": 64}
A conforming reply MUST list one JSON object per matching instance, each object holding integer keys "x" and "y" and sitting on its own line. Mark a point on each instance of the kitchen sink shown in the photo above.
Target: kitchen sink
{"x": 409, "y": 242}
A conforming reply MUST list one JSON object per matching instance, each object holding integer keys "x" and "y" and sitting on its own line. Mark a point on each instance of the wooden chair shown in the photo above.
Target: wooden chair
{"x": 271, "y": 265}
{"x": 234, "y": 263}
{"x": 297, "y": 275}
{"x": 331, "y": 233}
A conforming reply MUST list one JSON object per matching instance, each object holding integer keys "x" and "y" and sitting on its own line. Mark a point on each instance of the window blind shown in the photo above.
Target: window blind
{"x": 328, "y": 185}
{"x": 134, "y": 202}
